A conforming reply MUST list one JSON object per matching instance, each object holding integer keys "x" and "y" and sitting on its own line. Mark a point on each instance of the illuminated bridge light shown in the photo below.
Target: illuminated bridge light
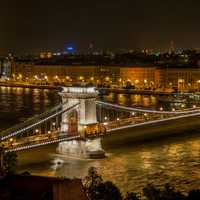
{"x": 145, "y": 110}
{"x": 154, "y": 121}
{"x": 39, "y": 122}
{"x": 26, "y": 147}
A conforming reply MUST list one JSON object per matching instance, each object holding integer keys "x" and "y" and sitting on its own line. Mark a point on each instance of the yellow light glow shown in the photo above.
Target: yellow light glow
{"x": 137, "y": 81}
{"x": 181, "y": 80}
{"x": 107, "y": 78}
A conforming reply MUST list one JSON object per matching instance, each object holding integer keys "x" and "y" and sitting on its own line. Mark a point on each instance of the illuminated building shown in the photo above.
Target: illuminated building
{"x": 5, "y": 68}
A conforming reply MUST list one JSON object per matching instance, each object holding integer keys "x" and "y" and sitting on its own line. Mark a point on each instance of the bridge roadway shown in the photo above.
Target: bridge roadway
{"x": 126, "y": 108}
{"x": 15, "y": 147}
{"x": 35, "y": 121}
{"x": 156, "y": 121}
{"x": 128, "y": 126}
{"x": 150, "y": 130}
{"x": 127, "y": 131}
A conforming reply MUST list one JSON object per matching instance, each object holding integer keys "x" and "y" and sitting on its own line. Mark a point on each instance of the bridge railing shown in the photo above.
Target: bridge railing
{"x": 126, "y": 108}
{"x": 31, "y": 120}
{"x": 113, "y": 127}
{"x": 34, "y": 144}
{"x": 34, "y": 121}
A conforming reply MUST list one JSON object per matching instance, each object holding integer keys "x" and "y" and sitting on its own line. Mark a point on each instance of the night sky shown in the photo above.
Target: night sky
{"x": 35, "y": 25}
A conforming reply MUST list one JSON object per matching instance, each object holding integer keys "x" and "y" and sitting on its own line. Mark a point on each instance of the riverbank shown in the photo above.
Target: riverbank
{"x": 133, "y": 91}
{"x": 102, "y": 91}
{"x": 27, "y": 85}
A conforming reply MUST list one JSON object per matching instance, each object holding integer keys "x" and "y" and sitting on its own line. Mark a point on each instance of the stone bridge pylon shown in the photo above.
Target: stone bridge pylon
{"x": 82, "y": 121}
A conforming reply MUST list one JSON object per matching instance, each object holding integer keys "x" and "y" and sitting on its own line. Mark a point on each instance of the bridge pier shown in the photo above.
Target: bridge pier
{"x": 86, "y": 119}
{"x": 88, "y": 148}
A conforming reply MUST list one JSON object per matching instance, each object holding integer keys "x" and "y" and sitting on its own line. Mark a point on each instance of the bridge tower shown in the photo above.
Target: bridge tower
{"x": 86, "y": 119}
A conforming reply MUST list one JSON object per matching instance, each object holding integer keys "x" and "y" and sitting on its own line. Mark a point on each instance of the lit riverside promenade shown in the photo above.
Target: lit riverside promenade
{"x": 79, "y": 124}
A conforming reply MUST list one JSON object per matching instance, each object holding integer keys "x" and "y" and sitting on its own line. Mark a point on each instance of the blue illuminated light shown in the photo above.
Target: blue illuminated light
{"x": 70, "y": 48}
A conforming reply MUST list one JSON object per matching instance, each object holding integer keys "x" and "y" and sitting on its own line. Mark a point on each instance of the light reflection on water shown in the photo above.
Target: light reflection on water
{"x": 175, "y": 160}
{"x": 131, "y": 168}
{"x": 17, "y": 104}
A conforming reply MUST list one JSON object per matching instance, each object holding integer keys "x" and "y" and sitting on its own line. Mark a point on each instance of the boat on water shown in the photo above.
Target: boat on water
{"x": 176, "y": 98}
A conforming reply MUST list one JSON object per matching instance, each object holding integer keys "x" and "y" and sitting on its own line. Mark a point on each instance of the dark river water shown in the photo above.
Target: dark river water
{"x": 174, "y": 159}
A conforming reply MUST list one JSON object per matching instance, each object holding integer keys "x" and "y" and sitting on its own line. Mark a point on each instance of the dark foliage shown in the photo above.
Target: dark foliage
{"x": 97, "y": 189}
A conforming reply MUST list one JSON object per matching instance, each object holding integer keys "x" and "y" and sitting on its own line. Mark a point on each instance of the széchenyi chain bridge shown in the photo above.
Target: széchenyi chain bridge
{"x": 80, "y": 123}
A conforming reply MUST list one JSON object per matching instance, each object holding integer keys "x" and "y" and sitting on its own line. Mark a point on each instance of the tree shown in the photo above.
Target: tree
{"x": 97, "y": 189}
{"x": 8, "y": 161}
{"x": 1, "y": 157}
{"x": 193, "y": 195}
{"x": 108, "y": 191}
{"x": 91, "y": 183}
{"x": 168, "y": 193}
{"x": 151, "y": 192}
{"x": 131, "y": 196}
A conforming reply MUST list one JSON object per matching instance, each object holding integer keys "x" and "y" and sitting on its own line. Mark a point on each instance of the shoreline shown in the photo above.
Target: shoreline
{"x": 102, "y": 91}
{"x": 2, "y": 84}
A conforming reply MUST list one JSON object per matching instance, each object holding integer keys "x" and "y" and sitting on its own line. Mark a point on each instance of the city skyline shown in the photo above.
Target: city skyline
{"x": 34, "y": 26}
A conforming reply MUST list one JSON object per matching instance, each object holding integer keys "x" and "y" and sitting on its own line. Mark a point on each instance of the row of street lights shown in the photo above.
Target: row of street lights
{"x": 145, "y": 114}
{"x": 136, "y": 82}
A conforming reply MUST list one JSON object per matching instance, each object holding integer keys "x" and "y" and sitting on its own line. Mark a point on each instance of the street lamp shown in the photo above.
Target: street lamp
{"x": 194, "y": 106}
{"x": 85, "y": 127}
{"x": 107, "y": 78}
{"x": 11, "y": 139}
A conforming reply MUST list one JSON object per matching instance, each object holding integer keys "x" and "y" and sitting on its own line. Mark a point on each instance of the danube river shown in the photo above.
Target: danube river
{"x": 174, "y": 159}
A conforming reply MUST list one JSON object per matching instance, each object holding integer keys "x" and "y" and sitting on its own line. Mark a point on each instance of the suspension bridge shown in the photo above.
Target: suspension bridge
{"x": 81, "y": 122}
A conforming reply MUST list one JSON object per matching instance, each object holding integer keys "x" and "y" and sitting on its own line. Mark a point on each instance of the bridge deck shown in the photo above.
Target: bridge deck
{"x": 37, "y": 143}
{"x": 35, "y": 121}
